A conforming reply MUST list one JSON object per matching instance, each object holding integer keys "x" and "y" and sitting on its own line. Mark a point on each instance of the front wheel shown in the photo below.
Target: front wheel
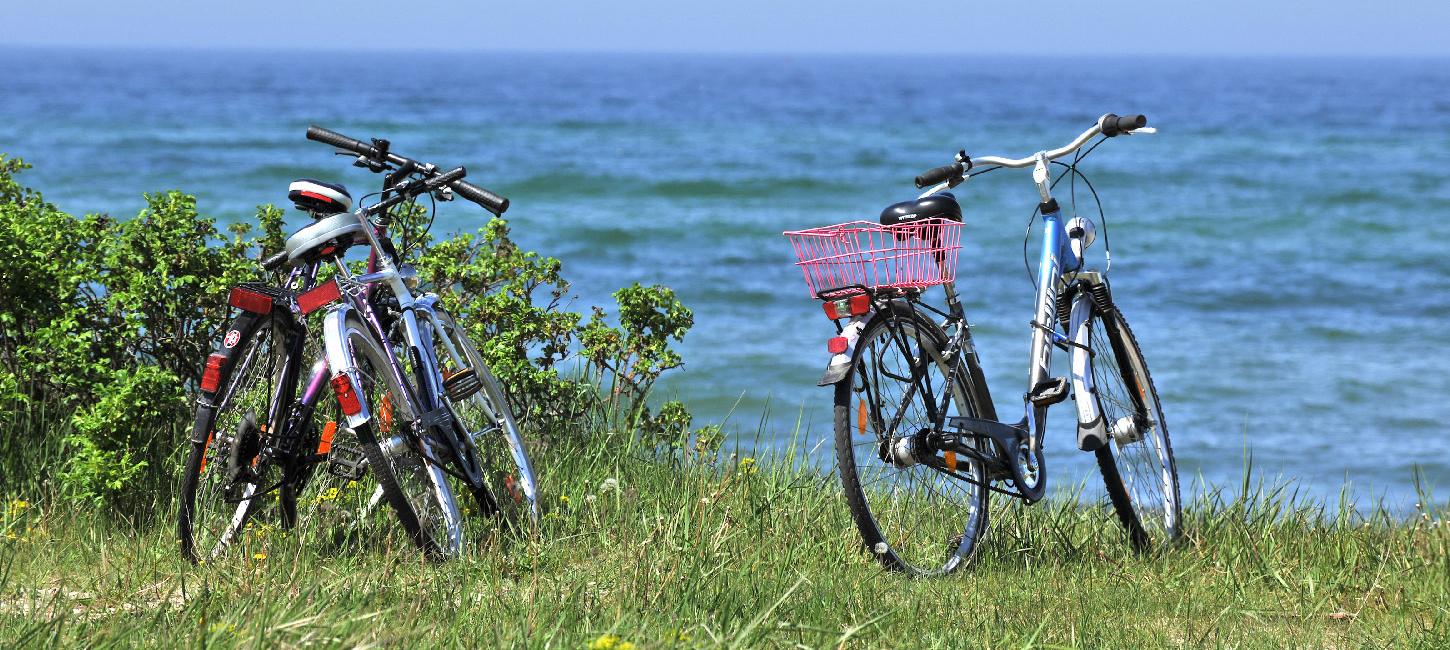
{"x": 509, "y": 493}
{"x": 1137, "y": 463}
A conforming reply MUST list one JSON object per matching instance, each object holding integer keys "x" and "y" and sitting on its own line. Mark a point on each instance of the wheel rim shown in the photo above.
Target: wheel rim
{"x": 926, "y": 521}
{"x": 509, "y": 477}
{"x": 423, "y": 484}
{"x": 1138, "y": 435}
{"x": 221, "y": 510}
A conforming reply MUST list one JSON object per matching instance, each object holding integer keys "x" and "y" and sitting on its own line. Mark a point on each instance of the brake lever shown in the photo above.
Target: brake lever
{"x": 444, "y": 193}
{"x": 1147, "y": 130}
{"x": 368, "y": 163}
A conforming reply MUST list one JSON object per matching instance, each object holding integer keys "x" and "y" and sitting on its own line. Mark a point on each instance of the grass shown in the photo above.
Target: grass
{"x": 742, "y": 553}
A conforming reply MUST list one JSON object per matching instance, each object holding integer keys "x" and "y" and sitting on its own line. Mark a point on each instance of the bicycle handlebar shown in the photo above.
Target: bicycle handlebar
{"x": 486, "y": 199}
{"x": 940, "y": 174}
{"x": 1108, "y": 125}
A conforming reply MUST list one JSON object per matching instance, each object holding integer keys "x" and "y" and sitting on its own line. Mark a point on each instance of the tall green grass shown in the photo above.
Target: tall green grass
{"x": 646, "y": 551}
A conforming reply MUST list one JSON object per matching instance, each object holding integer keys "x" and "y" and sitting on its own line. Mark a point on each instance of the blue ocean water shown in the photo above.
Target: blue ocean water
{"x": 1279, "y": 247}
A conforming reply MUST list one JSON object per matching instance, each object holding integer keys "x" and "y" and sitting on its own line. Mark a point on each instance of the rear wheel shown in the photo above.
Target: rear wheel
{"x": 404, "y": 463}
{"x": 225, "y": 484}
{"x": 1137, "y": 463}
{"x": 912, "y": 515}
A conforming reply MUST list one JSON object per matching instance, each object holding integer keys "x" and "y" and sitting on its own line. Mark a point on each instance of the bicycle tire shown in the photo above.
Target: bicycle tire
{"x": 862, "y": 467}
{"x": 217, "y": 505}
{"x": 1139, "y": 472}
{"x": 415, "y": 487}
{"x": 510, "y": 488}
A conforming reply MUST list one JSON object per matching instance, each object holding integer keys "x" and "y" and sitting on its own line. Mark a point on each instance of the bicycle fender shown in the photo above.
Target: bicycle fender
{"x": 840, "y": 365}
{"x": 339, "y": 358}
{"x": 1092, "y": 432}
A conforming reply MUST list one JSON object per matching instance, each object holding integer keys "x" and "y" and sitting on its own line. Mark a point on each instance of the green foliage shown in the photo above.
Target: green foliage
{"x": 104, "y": 324}
{"x": 511, "y": 302}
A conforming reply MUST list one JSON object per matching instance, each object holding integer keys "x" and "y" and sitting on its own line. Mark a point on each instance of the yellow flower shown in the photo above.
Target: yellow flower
{"x": 16, "y": 507}
{"x": 610, "y": 642}
{"x": 259, "y": 556}
{"x": 747, "y": 466}
{"x": 564, "y": 499}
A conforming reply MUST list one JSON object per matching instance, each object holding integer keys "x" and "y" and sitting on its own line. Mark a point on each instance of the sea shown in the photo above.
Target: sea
{"x": 1281, "y": 246}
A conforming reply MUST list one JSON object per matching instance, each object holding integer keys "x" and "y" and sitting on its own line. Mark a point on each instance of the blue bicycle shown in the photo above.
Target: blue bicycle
{"x": 918, "y": 441}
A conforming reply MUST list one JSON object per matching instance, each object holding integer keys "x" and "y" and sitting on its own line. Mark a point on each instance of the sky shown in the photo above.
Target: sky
{"x": 1001, "y": 27}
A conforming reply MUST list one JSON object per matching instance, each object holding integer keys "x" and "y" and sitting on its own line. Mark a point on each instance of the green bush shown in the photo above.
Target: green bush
{"x": 104, "y": 324}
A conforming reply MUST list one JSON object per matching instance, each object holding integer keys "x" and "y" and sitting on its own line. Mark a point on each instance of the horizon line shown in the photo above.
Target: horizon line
{"x": 243, "y": 49}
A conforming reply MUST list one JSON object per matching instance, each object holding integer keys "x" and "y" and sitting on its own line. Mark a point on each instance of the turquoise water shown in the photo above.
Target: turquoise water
{"x": 1279, "y": 247}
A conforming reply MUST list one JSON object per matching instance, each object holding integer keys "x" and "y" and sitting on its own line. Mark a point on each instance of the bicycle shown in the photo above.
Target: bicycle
{"x": 926, "y": 447}
{"x": 457, "y": 407}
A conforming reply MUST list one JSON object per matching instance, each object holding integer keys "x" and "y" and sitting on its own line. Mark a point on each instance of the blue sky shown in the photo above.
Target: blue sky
{"x": 1049, "y": 27}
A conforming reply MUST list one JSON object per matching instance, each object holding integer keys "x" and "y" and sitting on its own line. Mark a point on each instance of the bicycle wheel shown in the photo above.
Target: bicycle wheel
{"x": 405, "y": 464}
{"x": 510, "y": 490}
{"x": 913, "y": 517}
{"x": 1138, "y": 468}
{"x": 224, "y": 482}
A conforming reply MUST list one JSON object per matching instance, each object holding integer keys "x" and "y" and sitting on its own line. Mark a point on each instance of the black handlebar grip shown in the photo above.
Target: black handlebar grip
{"x": 934, "y": 176}
{"x": 488, "y": 200}
{"x": 274, "y": 262}
{"x": 341, "y": 141}
{"x": 453, "y": 175}
{"x": 1116, "y": 124}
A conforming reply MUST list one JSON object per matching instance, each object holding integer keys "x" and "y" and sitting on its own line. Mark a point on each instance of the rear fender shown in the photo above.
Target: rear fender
{"x": 840, "y": 365}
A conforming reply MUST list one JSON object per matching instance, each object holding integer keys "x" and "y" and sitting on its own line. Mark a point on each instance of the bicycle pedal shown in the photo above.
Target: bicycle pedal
{"x": 462, "y": 385}
{"x": 346, "y": 462}
{"x": 1048, "y": 392}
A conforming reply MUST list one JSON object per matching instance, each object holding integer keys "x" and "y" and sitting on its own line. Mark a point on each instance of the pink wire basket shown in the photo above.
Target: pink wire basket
{"x": 904, "y": 256}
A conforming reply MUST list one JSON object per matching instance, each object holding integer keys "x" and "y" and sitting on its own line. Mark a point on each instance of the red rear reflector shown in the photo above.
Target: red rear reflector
{"x": 860, "y": 304}
{"x": 318, "y": 296}
{"x": 248, "y": 300}
{"x": 837, "y": 345}
{"x": 328, "y": 431}
{"x": 211, "y": 377}
{"x": 346, "y": 398}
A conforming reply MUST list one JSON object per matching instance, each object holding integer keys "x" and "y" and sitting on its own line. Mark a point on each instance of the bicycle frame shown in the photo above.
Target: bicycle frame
{"x": 1059, "y": 270}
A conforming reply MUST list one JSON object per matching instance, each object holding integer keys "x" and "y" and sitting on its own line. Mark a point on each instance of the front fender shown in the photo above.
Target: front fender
{"x": 1092, "y": 432}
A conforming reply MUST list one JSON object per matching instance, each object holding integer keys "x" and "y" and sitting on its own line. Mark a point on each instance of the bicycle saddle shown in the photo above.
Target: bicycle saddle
{"x": 318, "y": 197}
{"x": 942, "y": 205}
{"x": 326, "y": 236}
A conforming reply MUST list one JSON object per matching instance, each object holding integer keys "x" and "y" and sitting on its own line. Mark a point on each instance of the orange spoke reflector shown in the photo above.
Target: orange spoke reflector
{"x": 328, "y": 431}
{"x": 205, "y": 448}
{"x": 861, "y": 417}
{"x": 385, "y": 413}
{"x": 512, "y": 487}
{"x": 951, "y": 460}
